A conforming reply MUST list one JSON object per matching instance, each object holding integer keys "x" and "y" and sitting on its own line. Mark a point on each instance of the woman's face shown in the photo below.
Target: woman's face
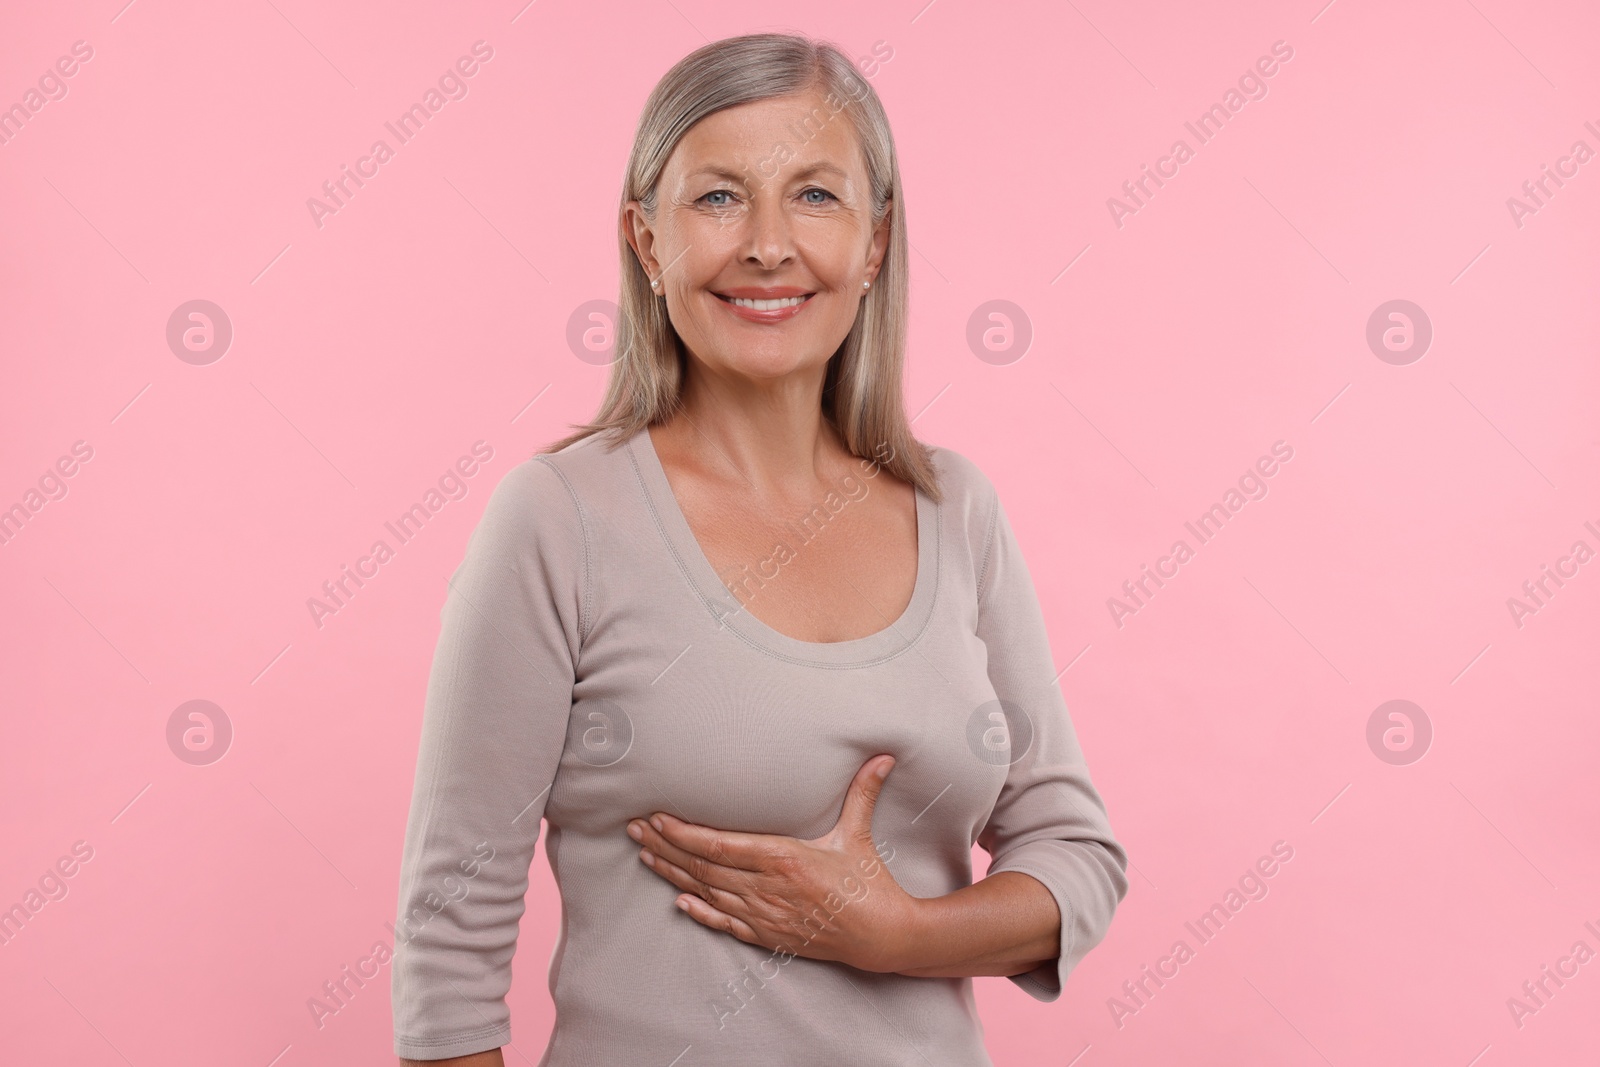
{"x": 765, "y": 200}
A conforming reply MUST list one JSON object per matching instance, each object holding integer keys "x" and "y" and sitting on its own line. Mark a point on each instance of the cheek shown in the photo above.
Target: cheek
{"x": 837, "y": 258}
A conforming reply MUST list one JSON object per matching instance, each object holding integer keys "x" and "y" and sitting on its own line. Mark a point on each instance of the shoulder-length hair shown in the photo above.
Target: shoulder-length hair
{"x": 861, "y": 393}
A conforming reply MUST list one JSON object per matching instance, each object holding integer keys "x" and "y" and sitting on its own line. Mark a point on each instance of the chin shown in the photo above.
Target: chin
{"x": 767, "y": 361}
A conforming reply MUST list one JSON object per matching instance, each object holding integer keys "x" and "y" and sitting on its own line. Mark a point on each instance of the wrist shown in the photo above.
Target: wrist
{"x": 907, "y": 938}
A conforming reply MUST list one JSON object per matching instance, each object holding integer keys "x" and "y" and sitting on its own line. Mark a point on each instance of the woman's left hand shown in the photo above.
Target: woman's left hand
{"x": 829, "y": 898}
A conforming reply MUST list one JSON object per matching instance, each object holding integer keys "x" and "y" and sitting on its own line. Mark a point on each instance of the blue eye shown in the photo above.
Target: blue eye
{"x": 729, "y": 192}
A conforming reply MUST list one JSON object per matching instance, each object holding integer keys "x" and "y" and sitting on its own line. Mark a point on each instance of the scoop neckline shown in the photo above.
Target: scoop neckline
{"x": 725, "y": 609}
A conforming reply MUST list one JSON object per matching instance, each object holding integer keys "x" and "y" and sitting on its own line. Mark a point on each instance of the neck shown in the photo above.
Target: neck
{"x": 771, "y": 441}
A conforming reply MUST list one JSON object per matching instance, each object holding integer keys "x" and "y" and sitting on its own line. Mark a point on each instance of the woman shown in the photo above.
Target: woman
{"x": 695, "y": 635}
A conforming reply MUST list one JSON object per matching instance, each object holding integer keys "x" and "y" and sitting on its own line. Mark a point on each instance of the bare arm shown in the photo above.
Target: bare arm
{"x": 492, "y": 1058}
{"x": 1002, "y": 925}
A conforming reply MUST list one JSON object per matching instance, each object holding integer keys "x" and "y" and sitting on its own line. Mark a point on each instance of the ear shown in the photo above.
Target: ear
{"x": 635, "y": 229}
{"x": 880, "y": 242}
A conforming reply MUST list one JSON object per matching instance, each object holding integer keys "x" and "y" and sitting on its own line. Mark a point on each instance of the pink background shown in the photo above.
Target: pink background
{"x": 1229, "y": 312}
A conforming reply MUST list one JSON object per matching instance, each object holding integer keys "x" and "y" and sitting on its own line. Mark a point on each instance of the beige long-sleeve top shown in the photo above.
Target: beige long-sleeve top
{"x": 592, "y": 668}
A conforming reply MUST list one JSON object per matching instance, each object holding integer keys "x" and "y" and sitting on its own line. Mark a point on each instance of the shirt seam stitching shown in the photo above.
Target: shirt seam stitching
{"x": 988, "y": 544}
{"x": 584, "y": 612}
{"x": 464, "y": 1035}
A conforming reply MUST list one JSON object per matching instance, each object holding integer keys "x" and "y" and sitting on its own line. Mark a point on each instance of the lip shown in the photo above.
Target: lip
{"x": 771, "y": 317}
{"x": 751, "y": 292}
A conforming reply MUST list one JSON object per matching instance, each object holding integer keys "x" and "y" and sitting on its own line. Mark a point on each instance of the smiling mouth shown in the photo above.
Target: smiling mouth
{"x": 766, "y": 305}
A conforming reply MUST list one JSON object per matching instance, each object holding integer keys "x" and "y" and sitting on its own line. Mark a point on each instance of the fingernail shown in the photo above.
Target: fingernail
{"x": 655, "y": 820}
{"x": 635, "y": 831}
{"x": 649, "y": 860}
{"x": 883, "y": 768}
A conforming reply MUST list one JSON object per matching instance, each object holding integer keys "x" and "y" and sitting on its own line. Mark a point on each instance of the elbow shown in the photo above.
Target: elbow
{"x": 1116, "y": 867}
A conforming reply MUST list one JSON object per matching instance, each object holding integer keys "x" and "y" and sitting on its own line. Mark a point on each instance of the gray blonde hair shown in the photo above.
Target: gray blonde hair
{"x": 861, "y": 393}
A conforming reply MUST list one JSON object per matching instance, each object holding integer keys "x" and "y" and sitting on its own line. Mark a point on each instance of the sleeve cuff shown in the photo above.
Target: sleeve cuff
{"x": 443, "y": 1048}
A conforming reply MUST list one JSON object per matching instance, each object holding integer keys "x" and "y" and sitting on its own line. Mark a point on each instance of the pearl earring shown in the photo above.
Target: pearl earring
{"x": 866, "y": 285}
{"x": 655, "y": 283}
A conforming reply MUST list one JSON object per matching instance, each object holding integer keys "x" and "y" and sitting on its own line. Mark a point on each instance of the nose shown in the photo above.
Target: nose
{"x": 767, "y": 238}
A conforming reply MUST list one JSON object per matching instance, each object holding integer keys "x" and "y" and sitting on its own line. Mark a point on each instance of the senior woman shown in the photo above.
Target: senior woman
{"x": 766, "y": 665}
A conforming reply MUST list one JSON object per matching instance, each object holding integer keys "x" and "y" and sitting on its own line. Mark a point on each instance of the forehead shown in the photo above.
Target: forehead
{"x": 752, "y": 140}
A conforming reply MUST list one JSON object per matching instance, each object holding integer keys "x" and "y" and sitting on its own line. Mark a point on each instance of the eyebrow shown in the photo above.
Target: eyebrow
{"x": 807, "y": 171}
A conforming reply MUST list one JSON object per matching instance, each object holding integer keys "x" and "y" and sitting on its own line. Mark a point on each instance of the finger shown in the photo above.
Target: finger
{"x": 862, "y": 796}
{"x": 731, "y": 848}
{"x": 721, "y": 899}
{"x": 707, "y": 915}
{"x": 698, "y": 866}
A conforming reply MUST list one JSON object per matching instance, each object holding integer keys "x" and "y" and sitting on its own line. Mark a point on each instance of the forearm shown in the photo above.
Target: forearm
{"x": 491, "y": 1058}
{"x": 1005, "y": 924}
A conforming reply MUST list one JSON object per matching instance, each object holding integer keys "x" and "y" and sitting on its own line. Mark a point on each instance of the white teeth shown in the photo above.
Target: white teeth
{"x": 769, "y": 305}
